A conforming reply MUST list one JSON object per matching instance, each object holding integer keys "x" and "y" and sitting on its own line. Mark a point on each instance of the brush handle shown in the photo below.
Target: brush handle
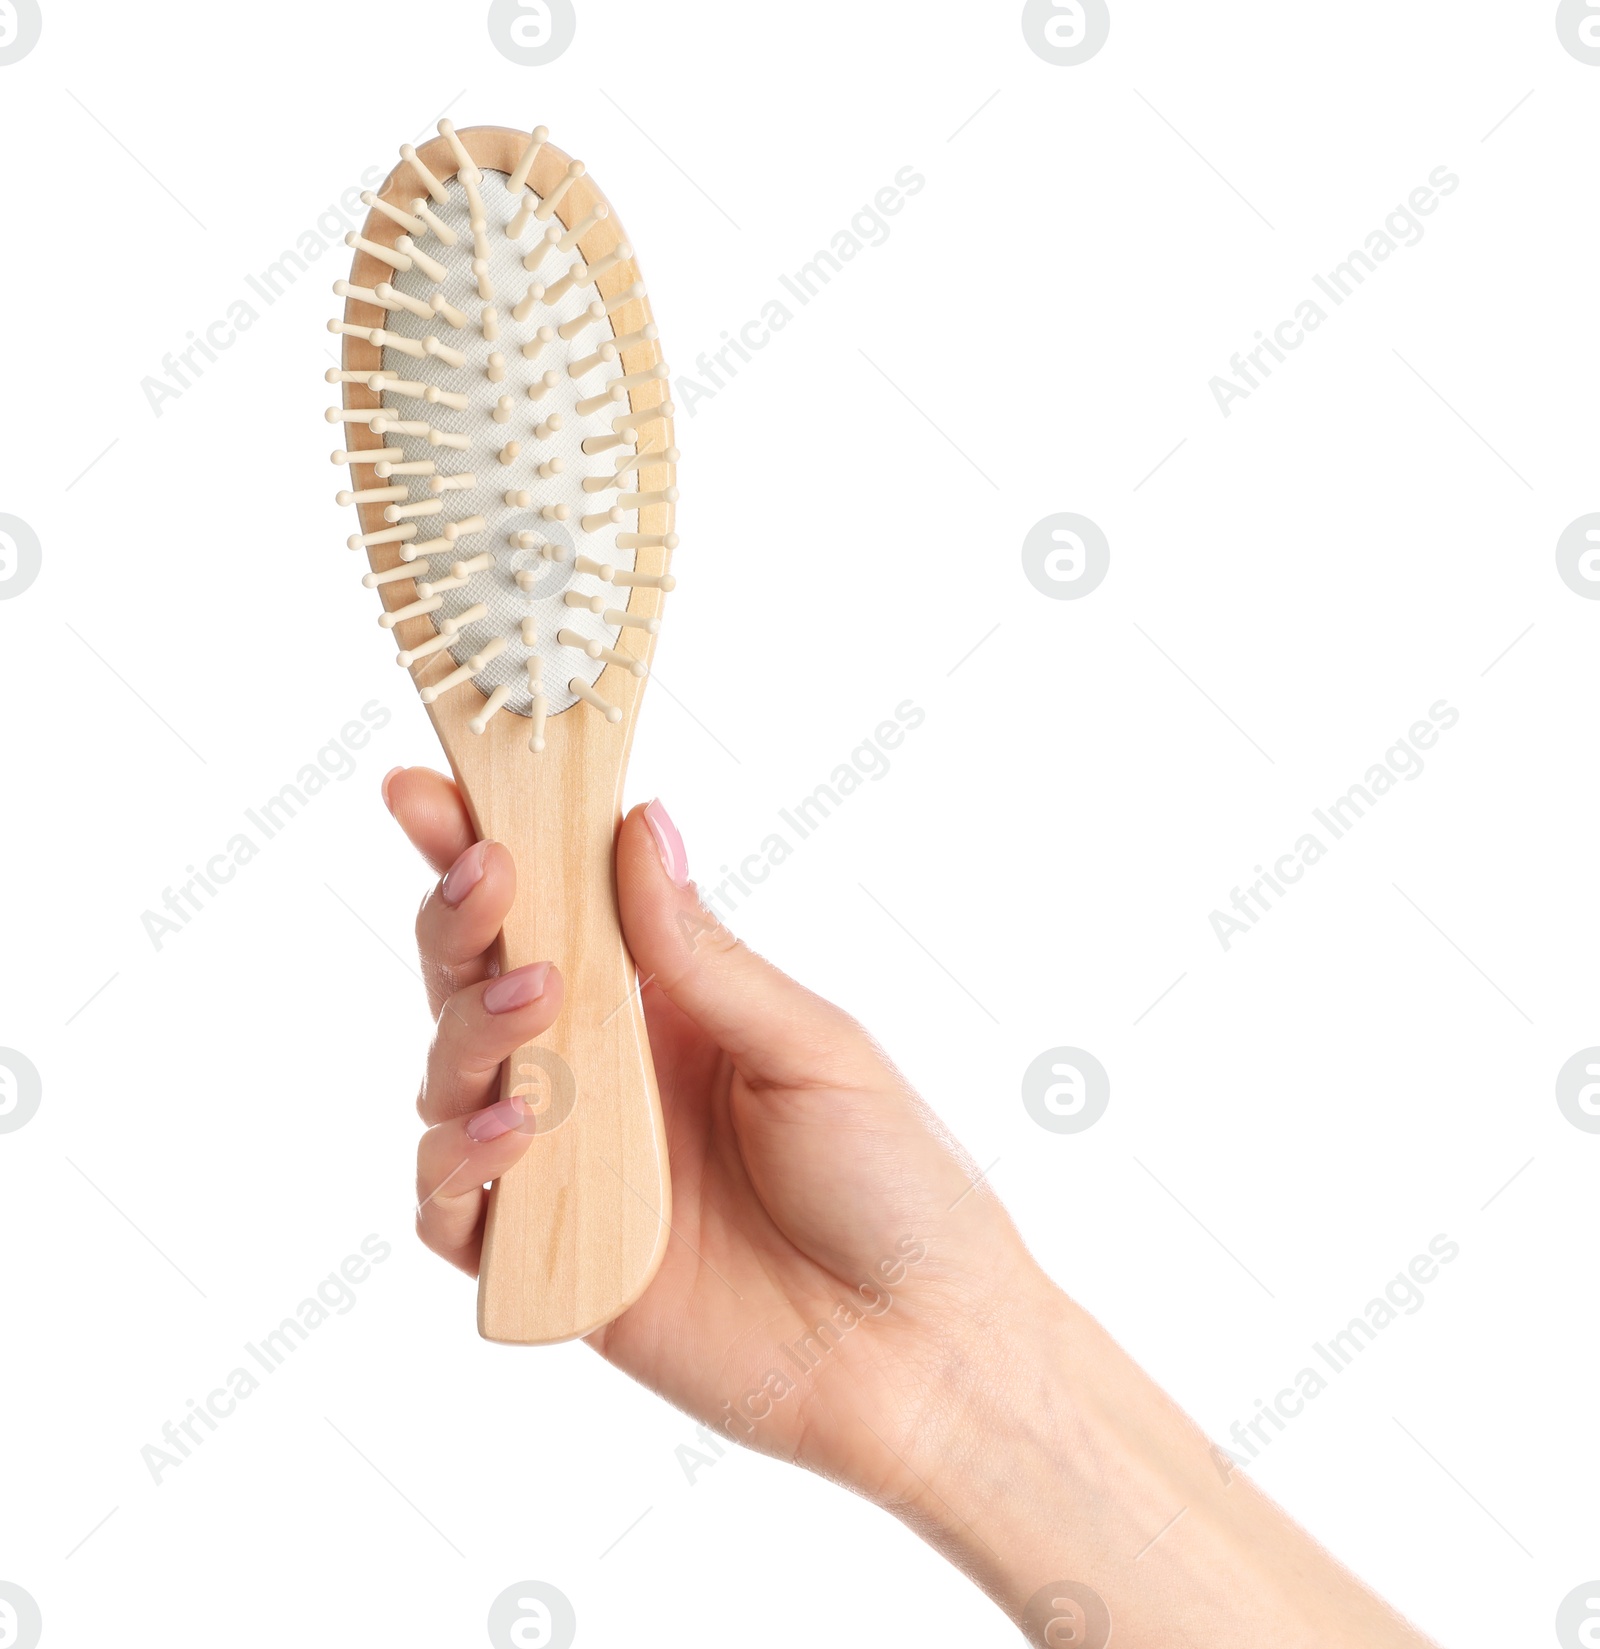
{"x": 575, "y": 1231}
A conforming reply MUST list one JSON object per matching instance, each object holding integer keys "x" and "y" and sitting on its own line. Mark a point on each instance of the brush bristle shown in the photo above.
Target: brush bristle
{"x": 508, "y": 461}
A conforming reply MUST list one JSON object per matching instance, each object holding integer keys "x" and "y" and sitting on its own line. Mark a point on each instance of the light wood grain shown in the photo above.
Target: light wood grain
{"x": 574, "y": 1232}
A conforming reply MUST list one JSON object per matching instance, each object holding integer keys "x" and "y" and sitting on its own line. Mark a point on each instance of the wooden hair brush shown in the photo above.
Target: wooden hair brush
{"x": 510, "y": 443}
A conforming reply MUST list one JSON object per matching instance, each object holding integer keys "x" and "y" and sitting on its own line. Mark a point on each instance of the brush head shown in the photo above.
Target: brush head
{"x": 514, "y": 412}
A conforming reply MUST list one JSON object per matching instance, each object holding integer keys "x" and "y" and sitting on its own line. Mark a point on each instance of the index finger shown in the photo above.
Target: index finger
{"x": 429, "y": 809}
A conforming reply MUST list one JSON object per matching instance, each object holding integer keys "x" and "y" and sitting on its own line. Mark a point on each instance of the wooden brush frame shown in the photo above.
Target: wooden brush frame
{"x": 576, "y": 1230}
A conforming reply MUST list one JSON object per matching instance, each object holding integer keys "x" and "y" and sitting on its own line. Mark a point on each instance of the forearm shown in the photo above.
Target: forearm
{"x": 1065, "y": 1463}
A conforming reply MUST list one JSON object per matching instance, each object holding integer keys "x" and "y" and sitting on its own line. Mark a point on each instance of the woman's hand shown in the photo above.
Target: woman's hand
{"x": 836, "y": 1272}
{"x": 841, "y": 1288}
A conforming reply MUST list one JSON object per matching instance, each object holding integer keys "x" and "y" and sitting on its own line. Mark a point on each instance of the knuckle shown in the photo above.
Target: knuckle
{"x": 427, "y": 1232}
{"x": 438, "y": 978}
{"x": 458, "y": 1015}
{"x": 703, "y": 936}
{"x": 721, "y": 941}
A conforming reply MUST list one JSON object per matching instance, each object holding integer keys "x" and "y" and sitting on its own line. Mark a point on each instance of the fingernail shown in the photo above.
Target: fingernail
{"x": 674, "y": 860}
{"x": 516, "y": 989}
{"x": 497, "y": 1120}
{"x": 384, "y": 787}
{"x": 464, "y": 875}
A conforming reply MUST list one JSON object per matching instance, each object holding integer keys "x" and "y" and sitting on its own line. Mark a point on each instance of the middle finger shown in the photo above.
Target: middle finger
{"x": 461, "y": 918}
{"x": 479, "y": 1030}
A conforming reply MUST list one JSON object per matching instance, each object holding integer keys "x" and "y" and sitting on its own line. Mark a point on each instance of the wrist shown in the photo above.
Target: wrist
{"x": 1023, "y": 1448}
{"x": 999, "y": 1400}
{"x": 1069, "y": 1487}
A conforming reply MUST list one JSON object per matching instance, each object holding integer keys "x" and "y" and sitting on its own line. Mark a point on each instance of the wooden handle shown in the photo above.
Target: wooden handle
{"x": 576, "y": 1230}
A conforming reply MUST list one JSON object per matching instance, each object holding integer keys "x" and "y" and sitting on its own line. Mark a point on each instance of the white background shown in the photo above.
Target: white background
{"x": 1288, "y": 592}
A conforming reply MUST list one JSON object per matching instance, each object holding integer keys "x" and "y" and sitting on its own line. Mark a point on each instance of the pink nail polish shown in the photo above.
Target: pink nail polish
{"x": 464, "y": 875}
{"x": 497, "y": 1120}
{"x": 516, "y": 989}
{"x": 674, "y": 859}
{"x": 384, "y": 787}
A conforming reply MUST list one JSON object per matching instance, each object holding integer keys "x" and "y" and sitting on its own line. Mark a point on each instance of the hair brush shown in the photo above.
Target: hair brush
{"x": 509, "y": 439}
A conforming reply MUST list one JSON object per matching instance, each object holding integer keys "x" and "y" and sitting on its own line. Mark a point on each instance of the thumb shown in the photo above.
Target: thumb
{"x": 775, "y": 1031}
